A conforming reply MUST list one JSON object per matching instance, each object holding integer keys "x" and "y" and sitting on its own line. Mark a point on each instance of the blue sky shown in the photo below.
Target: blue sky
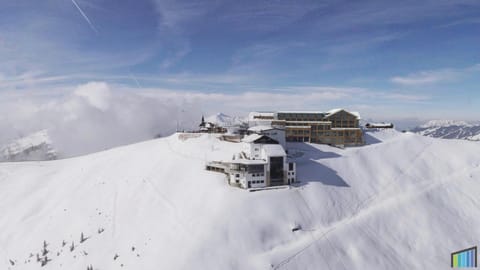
{"x": 386, "y": 59}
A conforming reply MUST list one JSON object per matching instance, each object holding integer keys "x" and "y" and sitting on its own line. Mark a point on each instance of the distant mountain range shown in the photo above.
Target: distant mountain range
{"x": 224, "y": 120}
{"x": 35, "y": 146}
{"x": 449, "y": 129}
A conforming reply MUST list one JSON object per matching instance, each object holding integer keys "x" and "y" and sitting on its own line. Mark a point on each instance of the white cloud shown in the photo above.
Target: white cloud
{"x": 91, "y": 117}
{"x": 434, "y": 76}
{"x": 97, "y": 115}
{"x": 96, "y": 93}
{"x": 426, "y": 77}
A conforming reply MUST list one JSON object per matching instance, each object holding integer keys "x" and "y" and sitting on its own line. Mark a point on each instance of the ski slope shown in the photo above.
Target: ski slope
{"x": 404, "y": 201}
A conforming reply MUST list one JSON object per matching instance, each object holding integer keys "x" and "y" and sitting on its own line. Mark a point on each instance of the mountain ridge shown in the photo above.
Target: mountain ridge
{"x": 141, "y": 208}
{"x": 449, "y": 129}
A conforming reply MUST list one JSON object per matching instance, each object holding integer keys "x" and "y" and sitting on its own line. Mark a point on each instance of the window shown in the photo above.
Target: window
{"x": 237, "y": 175}
{"x": 290, "y": 166}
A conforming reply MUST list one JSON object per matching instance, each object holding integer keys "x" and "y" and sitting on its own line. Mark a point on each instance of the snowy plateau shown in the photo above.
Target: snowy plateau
{"x": 403, "y": 201}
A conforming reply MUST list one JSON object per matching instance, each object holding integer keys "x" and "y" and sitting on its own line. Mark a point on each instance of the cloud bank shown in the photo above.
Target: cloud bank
{"x": 91, "y": 117}
{"x": 97, "y": 115}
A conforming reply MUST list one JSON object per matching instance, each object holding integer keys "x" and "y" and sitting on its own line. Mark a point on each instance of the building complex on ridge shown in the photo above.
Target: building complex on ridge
{"x": 263, "y": 161}
{"x": 335, "y": 127}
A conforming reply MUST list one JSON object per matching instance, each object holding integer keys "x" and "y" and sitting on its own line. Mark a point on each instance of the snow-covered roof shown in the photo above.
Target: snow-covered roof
{"x": 251, "y": 138}
{"x": 261, "y": 128}
{"x": 334, "y": 111}
{"x": 274, "y": 150}
{"x": 340, "y": 129}
{"x": 305, "y": 127}
{"x": 378, "y": 124}
{"x": 308, "y": 112}
{"x": 248, "y": 161}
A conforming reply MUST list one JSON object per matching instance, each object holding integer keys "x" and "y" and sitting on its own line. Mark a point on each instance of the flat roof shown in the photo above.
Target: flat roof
{"x": 248, "y": 161}
{"x": 310, "y": 122}
{"x": 304, "y": 127}
{"x": 308, "y": 112}
{"x": 340, "y": 129}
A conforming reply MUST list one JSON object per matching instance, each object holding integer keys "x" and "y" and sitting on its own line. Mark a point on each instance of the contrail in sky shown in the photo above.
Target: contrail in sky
{"x": 135, "y": 79}
{"x": 85, "y": 16}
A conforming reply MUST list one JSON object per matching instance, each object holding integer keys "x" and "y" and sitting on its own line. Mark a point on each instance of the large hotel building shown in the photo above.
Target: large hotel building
{"x": 335, "y": 127}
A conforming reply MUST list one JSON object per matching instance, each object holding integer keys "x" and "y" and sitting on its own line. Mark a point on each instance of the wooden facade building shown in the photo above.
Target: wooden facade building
{"x": 335, "y": 127}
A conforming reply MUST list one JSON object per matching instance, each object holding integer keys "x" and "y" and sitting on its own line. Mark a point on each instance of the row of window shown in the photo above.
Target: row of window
{"x": 296, "y": 131}
{"x": 257, "y": 174}
{"x": 298, "y": 139}
{"x": 335, "y": 134}
{"x": 301, "y": 116}
{"x": 256, "y": 182}
{"x": 291, "y": 173}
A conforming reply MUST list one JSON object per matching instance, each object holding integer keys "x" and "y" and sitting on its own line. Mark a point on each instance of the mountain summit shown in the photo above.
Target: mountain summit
{"x": 35, "y": 146}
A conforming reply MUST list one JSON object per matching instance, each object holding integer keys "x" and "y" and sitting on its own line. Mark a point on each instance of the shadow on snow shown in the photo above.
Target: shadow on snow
{"x": 310, "y": 170}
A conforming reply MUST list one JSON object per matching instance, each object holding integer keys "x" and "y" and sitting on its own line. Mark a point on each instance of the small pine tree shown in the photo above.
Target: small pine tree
{"x": 83, "y": 238}
{"x": 44, "y": 251}
{"x": 44, "y": 261}
{"x": 72, "y": 246}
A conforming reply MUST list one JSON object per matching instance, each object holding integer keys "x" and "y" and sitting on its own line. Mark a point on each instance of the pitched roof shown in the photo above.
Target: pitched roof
{"x": 259, "y": 139}
{"x": 251, "y": 138}
{"x": 274, "y": 150}
{"x": 334, "y": 111}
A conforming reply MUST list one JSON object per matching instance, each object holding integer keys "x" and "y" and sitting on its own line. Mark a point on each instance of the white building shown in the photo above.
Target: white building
{"x": 262, "y": 163}
{"x": 276, "y": 133}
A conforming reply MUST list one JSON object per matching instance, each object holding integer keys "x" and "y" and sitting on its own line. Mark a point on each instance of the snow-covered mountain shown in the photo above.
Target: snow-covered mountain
{"x": 400, "y": 202}
{"x": 449, "y": 129}
{"x": 35, "y": 146}
{"x": 224, "y": 120}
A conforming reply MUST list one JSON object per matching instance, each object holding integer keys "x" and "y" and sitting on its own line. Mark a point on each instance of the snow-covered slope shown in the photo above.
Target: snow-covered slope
{"x": 224, "y": 120}
{"x": 36, "y": 146}
{"x": 449, "y": 129}
{"x": 403, "y": 202}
